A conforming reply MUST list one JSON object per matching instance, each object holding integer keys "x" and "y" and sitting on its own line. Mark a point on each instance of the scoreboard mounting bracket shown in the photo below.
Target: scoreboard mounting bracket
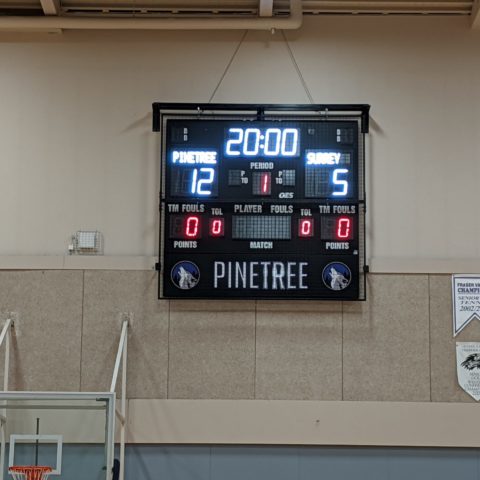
{"x": 361, "y": 110}
{"x": 262, "y": 201}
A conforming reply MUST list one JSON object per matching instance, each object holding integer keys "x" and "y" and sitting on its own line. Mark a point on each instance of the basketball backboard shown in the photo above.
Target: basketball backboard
{"x": 71, "y": 432}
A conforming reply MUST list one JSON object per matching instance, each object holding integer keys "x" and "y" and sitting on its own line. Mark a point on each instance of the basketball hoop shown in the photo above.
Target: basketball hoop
{"x": 30, "y": 473}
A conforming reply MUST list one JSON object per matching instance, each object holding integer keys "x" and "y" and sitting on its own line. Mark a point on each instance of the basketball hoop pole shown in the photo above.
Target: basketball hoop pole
{"x": 5, "y": 336}
{"x": 37, "y": 443}
{"x": 121, "y": 415}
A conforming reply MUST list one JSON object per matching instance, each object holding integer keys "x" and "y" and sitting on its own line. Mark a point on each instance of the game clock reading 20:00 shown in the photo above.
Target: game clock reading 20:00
{"x": 267, "y": 208}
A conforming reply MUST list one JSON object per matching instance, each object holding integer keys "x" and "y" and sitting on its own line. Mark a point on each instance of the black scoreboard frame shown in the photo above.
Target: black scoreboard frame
{"x": 359, "y": 113}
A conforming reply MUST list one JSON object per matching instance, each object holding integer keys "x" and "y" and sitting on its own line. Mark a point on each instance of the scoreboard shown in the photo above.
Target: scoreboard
{"x": 267, "y": 205}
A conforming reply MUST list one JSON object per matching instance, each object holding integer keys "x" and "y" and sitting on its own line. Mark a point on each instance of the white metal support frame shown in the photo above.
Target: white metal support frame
{"x": 475, "y": 15}
{"x": 122, "y": 414}
{"x": 5, "y": 336}
{"x": 107, "y": 397}
{"x": 50, "y": 7}
{"x": 265, "y": 8}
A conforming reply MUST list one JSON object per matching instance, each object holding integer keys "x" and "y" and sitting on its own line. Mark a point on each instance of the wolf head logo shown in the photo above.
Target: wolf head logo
{"x": 472, "y": 361}
{"x": 185, "y": 275}
{"x": 186, "y": 280}
{"x": 338, "y": 282}
{"x": 336, "y": 276}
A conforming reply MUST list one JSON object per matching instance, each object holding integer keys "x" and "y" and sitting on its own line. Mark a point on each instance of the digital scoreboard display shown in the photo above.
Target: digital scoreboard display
{"x": 262, "y": 207}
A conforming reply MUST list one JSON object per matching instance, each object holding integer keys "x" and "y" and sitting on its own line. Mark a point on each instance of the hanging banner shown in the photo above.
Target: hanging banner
{"x": 468, "y": 368}
{"x": 465, "y": 300}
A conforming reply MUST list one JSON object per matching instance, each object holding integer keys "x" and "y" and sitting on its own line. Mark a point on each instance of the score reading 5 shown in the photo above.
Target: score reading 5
{"x": 268, "y": 142}
{"x": 328, "y": 174}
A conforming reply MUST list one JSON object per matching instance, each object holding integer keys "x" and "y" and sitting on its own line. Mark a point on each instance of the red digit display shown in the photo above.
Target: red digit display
{"x": 344, "y": 227}
{"x": 262, "y": 183}
{"x": 217, "y": 227}
{"x": 337, "y": 227}
{"x": 192, "y": 227}
{"x": 266, "y": 183}
{"x": 305, "y": 227}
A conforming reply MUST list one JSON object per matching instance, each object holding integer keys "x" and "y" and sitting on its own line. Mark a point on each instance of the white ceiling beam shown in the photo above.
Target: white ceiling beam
{"x": 476, "y": 14}
{"x": 56, "y": 22}
{"x": 51, "y": 7}
{"x": 265, "y": 8}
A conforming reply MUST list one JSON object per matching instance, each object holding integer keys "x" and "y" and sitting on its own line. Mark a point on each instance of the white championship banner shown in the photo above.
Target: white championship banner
{"x": 465, "y": 301}
{"x": 468, "y": 367}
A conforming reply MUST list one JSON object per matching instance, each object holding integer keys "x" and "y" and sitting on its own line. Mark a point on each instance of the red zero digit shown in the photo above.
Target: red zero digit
{"x": 191, "y": 227}
{"x": 216, "y": 227}
{"x": 306, "y": 227}
{"x": 343, "y": 227}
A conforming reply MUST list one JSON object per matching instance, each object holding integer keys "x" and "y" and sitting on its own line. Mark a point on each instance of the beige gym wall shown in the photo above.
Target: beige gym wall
{"x": 395, "y": 347}
{"x": 382, "y": 362}
{"x": 77, "y": 152}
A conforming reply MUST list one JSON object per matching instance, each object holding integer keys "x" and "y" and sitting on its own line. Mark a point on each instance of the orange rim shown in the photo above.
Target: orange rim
{"x": 32, "y": 473}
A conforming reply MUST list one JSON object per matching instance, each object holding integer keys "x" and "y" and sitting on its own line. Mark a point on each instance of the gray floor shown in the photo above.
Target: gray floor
{"x": 152, "y": 462}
